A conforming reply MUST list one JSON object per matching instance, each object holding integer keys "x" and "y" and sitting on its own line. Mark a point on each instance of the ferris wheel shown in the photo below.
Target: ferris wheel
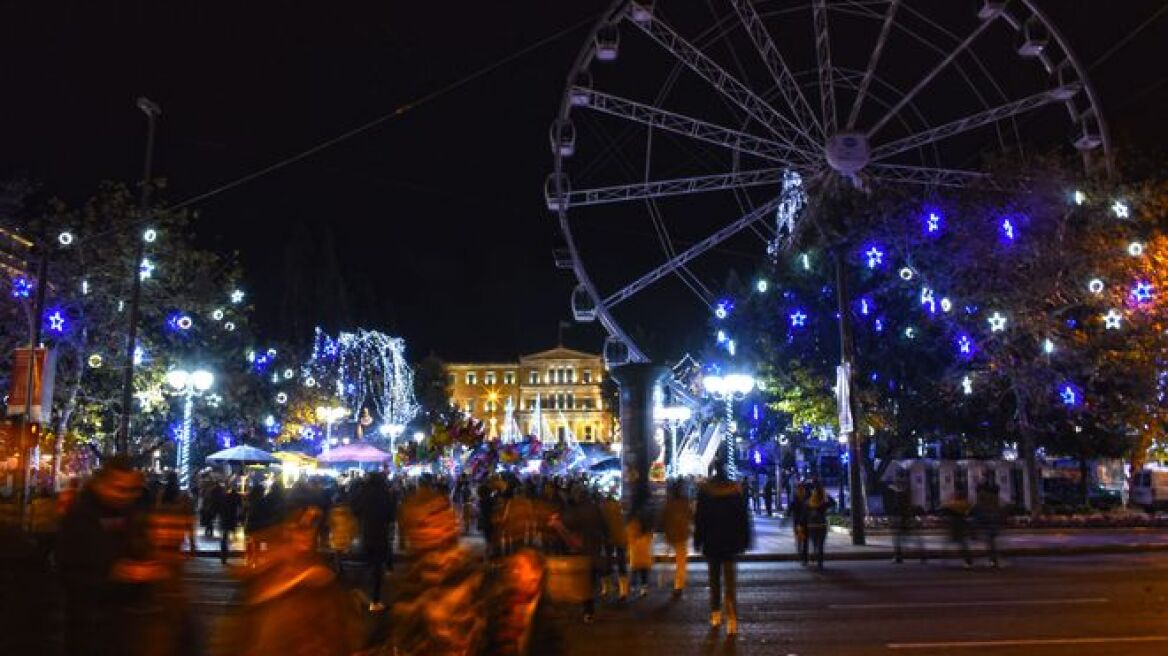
{"x": 682, "y": 123}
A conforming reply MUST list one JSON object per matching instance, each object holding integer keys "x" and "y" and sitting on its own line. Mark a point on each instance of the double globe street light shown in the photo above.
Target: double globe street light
{"x": 729, "y": 388}
{"x": 188, "y": 384}
{"x": 329, "y": 415}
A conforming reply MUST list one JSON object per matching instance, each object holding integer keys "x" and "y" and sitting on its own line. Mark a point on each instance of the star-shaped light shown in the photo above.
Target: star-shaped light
{"x": 1142, "y": 292}
{"x": 798, "y": 318}
{"x": 57, "y": 322}
{"x": 997, "y": 322}
{"x": 147, "y": 269}
{"x": 933, "y": 222}
{"x": 965, "y": 345}
{"x": 1121, "y": 210}
{"x": 1112, "y": 319}
{"x": 1068, "y": 395}
{"x": 967, "y": 385}
{"x": 875, "y": 257}
{"x": 237, "y": 296}
{"x": 1007, "y": 229}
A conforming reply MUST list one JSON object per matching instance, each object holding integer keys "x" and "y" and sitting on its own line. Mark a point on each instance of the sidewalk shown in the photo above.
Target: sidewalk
{"x": 775, "y": 542}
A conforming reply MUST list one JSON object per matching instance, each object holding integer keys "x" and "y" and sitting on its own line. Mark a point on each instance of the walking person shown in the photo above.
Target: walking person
{"x": 797, "y": 512}
{"x": 375, "y": 508}
{"x": 988, "y": 512}
{"x": 584, "y": 531}
{"x": 817, "y": 506}
{"x": 640, "y": 535}
{"x": 676, "y": 519}
{"x": 229, "y": 512}
{"x": 722, "y": 533}
{"x": 768, "y": 495}
{"x": 616, "y": 576}
{"x": 957, "y": 512}
{"x": 903, "y": 522}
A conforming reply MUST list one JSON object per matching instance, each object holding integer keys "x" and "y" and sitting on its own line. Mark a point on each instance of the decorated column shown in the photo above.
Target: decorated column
{"x": 637, "y": 382}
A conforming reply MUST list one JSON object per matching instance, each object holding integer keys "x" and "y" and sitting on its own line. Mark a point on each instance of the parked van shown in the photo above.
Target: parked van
{"x": 1150, "y": 489}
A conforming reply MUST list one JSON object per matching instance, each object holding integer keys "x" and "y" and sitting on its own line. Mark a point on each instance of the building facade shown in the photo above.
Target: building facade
{"x": 553, "y": 395}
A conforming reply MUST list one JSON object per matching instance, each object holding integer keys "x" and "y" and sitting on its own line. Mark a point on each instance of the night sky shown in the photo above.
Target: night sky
{"x": 435, "y": 220}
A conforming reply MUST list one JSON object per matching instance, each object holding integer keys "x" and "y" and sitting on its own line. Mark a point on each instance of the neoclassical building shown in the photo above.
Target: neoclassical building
{"x": 551, "y": 394}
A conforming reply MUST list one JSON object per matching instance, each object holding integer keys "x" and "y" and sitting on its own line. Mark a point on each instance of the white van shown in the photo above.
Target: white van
{"x": 1150, "y": 489}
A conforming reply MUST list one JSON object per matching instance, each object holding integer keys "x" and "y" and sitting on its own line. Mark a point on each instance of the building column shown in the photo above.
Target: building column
{"x": 637, "y": 383}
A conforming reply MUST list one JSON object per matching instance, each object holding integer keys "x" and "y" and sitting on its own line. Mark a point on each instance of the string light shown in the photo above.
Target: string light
{"x": 875, "y": 256}
{"x": 906, "y": 274}
{"x": 967, "y": 385}
{"x": 368, "y": 369}
{"x": 1135, "y": 249}
{"x": 806, "y": 261}
{"x": 798, "y": 319}
{"x": 1121, "y": 210}
{"x": 1095, "y": 286}
{"x": 1079, "y": 197}
{"x": 65, "y": 238}
{"x": 149, "y": 235}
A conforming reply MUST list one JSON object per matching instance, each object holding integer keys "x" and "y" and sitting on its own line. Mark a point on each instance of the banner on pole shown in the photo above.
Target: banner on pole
{"x": 843, "y": 396}
{"x": 44, "y": 369}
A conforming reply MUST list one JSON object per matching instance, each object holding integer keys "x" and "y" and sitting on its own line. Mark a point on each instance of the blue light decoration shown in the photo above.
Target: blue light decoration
{"x": 874, "y": 255}
{"x": 309, "y": 433}
{"x": 1142, "y": 292}
{"x": 933, "y": 222}
{"x": 1070, "y": 395}
{"x": 721, "y": 336}
{"x": 879, "y": 325}
{"x": 21, "y": 288}
{"x": 762, "y": 285}
{"x": 865, "y": 306}
{"x": 731, "y": 348}
{"x": 139, "y": 355}
{"x": 928, "y": 299}
{"x": 965, "y": 347}
{"x": 1007, "y": 229}
{"x": 180, "y": 321}
{"x": 56, "y": 320}
{"x": 798, "y": 319}
{"x": 722, "y": 310}
{"x": 757, "y": 457}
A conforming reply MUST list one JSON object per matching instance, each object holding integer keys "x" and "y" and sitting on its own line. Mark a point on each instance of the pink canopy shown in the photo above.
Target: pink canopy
{"x": 359, "y": 452}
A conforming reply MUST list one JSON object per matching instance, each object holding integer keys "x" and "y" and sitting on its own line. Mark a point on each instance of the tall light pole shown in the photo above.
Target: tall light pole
{"x": 329, "y": 415}
{"x": 730, "y": 388}
{"x": 122, "y": 443}
{"x": 188, "y": 384}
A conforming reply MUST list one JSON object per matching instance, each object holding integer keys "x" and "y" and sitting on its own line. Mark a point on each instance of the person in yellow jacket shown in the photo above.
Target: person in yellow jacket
{"x": 640, "y": 537}
{"x": 677, "y": 523}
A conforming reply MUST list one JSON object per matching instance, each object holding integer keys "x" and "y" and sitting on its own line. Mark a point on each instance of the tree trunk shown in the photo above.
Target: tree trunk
{"x": 1026, "y": 443}
{"x": 66, "y": 415}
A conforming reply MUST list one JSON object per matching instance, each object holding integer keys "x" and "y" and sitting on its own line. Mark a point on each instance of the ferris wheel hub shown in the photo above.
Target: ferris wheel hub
{"x": 848, "y": 152}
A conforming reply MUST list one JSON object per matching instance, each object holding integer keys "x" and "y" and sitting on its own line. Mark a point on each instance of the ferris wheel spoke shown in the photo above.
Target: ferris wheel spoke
{"x": 791, "y": 91}
{"x": 974, "y": 121}
{"x": 726, "y": 84}
{"x": 684, "y": 257}
{"x": 873, "y": 60}
{"x": 675, "y": 187}
{"x": 924, "y": 175}
{"x": 949, "y": 59}
{"x": 696, "y": 128}
{"x": 823, "y": 56}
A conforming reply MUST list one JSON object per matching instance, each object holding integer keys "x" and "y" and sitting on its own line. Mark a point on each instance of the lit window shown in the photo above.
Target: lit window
{"x": 509, "y": 378}
{"x": 586, "y": 376}
{"x": 489, "y": 378}
{"x": 534, "y": 379}
{"x": 470, "y": 406}
{"x": 453, "y": 378}
{"x": 571, "y": 402}
{"x": 471, "y": 379}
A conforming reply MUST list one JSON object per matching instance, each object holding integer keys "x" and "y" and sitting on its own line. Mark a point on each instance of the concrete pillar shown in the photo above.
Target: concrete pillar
{"x": 638, "y": 448}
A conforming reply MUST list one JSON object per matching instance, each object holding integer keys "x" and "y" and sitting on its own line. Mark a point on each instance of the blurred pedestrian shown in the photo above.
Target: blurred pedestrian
{"x": 817, "y": 506}
{"x": 229, "y": 511}
{"x": 97, "y": 540}
{"x": 174, "y": 501}
{"x": 585, "y": 533}
{"x": 676, "y": 520}
{"x": 904, "y": 522}
{"x": 439, "y": 605}
{"x": 375, "y": 508}
{"x": 989, "y": 515}
{"x": 797, "y": 513}
{"x": 768, "y": 495}
{"x": 722, "y": 533}
{"x": 162, "y": 622}
{"x": 640, "y": 537}
{"x": 522, "y": 622}
{"x": 957, "y": 512}
{"x": 616, "y": 576}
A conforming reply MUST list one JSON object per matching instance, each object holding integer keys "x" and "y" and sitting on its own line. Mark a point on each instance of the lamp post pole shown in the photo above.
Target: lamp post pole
{"x": 188, "y": 385}
{"x": 122, "y": 443}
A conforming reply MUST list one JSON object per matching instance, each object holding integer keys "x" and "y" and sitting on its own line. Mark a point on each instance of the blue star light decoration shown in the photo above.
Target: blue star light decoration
{"x": 875, "y": 257}
{"x": 798, "y": 319}
{"x": 964, "y": 345}
{"x": 1142, "y": 292}
{"x": 1008, "y": 229}
{"x": 1112, "y": 320}
{"x": 933, "y": 223}
{"x": 21, "y": 288}
{"x": 1069, "y": 396}
{"x": 56, "y": 321}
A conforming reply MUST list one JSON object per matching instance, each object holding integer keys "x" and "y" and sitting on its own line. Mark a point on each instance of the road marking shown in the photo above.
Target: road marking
{"x": 1022, "y": 643}
{"x": 957, "y": 604}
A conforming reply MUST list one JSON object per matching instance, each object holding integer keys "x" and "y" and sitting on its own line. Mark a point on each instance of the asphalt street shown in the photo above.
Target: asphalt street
{"x": 1083, "y": 604}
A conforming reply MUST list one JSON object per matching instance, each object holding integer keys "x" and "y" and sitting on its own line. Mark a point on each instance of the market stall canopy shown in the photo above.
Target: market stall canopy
{"x": 241, "y": 454}
{"x": 294, "y": 457}
{"x": 356, "y": 453}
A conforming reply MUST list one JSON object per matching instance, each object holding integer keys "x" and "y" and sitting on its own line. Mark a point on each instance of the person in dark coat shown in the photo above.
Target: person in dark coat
{"x": 903, "y": 521}
{"x": 229, "y": 511}
{"x": 375, "y": 508}
{"x": 768, "y": 495}
{"x": 585, "y": 532}
{"x": 98, "y": 541}
{"x": 988, "y": 513}
{"x": 722, "y": 533}
{"x": 818, "y": 503}
{"x": 797, "y": 513}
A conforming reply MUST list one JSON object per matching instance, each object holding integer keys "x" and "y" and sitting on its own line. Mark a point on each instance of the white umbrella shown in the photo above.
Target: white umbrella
{"x": 241, "y": 454}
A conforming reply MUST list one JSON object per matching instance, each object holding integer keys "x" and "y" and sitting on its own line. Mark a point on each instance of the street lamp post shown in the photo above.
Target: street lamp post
{"x": 122, "y": 443}
{"x": 188, "y": 384}
{"x": 730, "y": 388}
{"x": 329, "y": 415}
{"x": 392, "y": 431}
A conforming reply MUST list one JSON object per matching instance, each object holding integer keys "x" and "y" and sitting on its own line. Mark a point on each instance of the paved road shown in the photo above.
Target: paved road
{"x": 1094, "y": 605}
{"x": 1087, "y": 604}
